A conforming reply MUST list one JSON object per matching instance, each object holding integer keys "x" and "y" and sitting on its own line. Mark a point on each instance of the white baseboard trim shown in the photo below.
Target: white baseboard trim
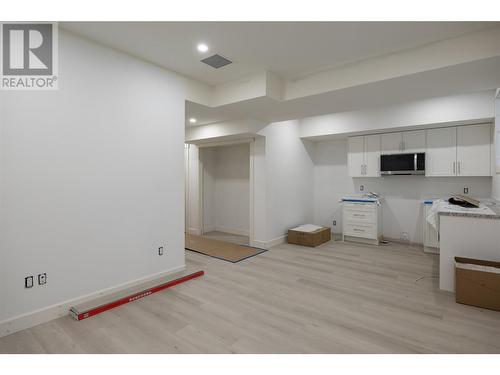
{"x": 270, "y": 243}
{"x": 49, "y": 313}
{"x": 236, "y": 231}
{"x": 194, "y": 231}
{"x": 208, "y": 229}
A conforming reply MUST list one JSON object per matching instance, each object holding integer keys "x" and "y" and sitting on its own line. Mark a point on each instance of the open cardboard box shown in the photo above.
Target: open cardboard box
{"x": 477, "y": 283}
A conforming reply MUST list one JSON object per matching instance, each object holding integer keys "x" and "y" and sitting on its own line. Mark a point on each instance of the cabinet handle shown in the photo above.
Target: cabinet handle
{"x": 361, "y": 167}
{"x": 459, "y": 167}
{"x": 454, "y": 170}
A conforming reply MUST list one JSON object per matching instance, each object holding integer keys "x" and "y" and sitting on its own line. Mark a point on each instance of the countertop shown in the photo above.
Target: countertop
{"x": 361, "y": 198}
{"x": 491, "y": 203}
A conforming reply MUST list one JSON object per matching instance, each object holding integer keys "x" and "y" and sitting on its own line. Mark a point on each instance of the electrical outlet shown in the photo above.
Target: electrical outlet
{"x": 361, "y": 187}
{"x": 160, "y": 250}
{"x": 466, "y": 190}
{"x": 334, "y": 222}
{"x": 28, "y": 282}
{"x": 404, "y": 236}
{"x": 42, "y": 279}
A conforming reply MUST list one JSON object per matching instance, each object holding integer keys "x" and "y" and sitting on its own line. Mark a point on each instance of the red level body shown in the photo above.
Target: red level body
{"x": 80, "y": 315}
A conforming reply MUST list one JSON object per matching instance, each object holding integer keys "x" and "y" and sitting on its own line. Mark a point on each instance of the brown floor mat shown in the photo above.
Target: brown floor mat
{"x": 220, "y": 249}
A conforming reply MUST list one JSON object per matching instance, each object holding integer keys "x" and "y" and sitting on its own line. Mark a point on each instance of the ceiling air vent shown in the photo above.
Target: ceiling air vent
{"x": 216, "y": 61}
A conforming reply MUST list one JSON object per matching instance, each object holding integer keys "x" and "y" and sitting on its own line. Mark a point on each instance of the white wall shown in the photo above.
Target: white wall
{"x": 193, "y": 179}
{"x": 208, "y": 157}
{"x": 441, "y": 110}
{"x": 232, "y": 189}
{"x": 226, "y": 188}
{"x": 402, "y": 211}
{"x": 289, "y": 178}
{"x": 259, "y": 197}
{"x": 496, "y": 177}
{"x": 91, "y": 178}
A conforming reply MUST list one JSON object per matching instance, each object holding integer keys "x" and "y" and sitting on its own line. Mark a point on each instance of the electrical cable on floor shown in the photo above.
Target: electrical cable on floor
{"x": 426, "y": 277}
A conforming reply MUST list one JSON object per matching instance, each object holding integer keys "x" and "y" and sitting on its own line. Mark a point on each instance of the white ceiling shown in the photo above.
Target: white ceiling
{"x": 458, "y": 79}
{"x": 288, "y": 49}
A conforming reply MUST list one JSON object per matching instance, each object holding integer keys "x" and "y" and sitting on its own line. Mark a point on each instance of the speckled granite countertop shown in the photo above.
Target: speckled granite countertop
{"x": 492, "y": 204}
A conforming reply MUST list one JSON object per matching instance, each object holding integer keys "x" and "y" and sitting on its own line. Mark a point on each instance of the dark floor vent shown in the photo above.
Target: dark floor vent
{"x": 216, "y": 61}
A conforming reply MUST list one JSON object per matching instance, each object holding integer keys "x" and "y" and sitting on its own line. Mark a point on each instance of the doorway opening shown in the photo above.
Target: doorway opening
{"x": 225, "y": 191}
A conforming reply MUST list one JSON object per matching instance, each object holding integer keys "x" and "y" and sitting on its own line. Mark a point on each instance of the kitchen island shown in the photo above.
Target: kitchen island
{"x": 467, "y": 234}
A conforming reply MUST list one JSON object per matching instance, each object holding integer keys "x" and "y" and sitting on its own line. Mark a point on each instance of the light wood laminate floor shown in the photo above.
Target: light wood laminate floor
{"x": 228, "y": 237}
{"x": 337, "y": 298}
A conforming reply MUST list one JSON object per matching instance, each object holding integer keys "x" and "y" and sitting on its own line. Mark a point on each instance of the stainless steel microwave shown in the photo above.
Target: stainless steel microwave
{"x": 402, "y": 164}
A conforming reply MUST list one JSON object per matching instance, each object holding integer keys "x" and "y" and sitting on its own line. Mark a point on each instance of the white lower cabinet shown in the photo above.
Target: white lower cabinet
{"x": 431, "y": 235}
{"x": 361, "y": 222}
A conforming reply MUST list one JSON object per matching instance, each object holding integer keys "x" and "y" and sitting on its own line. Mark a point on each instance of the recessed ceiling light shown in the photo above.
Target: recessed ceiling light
{"x": 192, "y": 120}
{"x": 202, "y": 47}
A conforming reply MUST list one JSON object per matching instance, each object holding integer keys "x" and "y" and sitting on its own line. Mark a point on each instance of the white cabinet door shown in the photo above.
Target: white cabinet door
{"x": 474, "y": 150}
{"x": 356, "y": 159}
{"x": 391, "y": 143}
{"x": 431, "y": 237}
{"x": 372, "y": 155}
{"x": 414, "y": 141}
{"x": 441, "y": 154}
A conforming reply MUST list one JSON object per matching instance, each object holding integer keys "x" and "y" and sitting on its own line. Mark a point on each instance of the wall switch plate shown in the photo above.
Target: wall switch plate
{"x": 28, "y": 282}
{"x": 334, "y": 222}
{"x": 361, "y": 187}
{"x": 42, "y": 279}
{"x": 160, "y": 250}
{"x": 466, "y": 190}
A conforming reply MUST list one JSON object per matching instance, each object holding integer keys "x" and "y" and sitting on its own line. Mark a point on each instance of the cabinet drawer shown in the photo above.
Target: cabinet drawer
{"x": 366, "y": 207}
{"x": 359, "y": 216}
{"x": 360, "y": 230}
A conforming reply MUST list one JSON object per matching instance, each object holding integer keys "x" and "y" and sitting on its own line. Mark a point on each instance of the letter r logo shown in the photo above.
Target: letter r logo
{"x": 27, "y": 49}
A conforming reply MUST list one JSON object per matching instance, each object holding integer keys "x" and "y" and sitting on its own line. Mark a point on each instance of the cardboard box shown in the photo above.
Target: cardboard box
{"x": 477, "y": 283}
{"x": 311, "y": 239}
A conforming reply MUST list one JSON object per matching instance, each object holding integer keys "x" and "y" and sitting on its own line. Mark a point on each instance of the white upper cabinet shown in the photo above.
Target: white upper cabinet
{"x": 474, "y": 150}
{"x": 391, "y": 143}
{"x": 364, "y": 156}
{"x": 451, "y": 151}
{"x": 402, "y": 142}
{"x": 356, "y": 156}
{"x": 441, "y": 152}
{"x": 414, "y": 141}
{"x": 372, "y": 155}
{"x": 459, "y": 151}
